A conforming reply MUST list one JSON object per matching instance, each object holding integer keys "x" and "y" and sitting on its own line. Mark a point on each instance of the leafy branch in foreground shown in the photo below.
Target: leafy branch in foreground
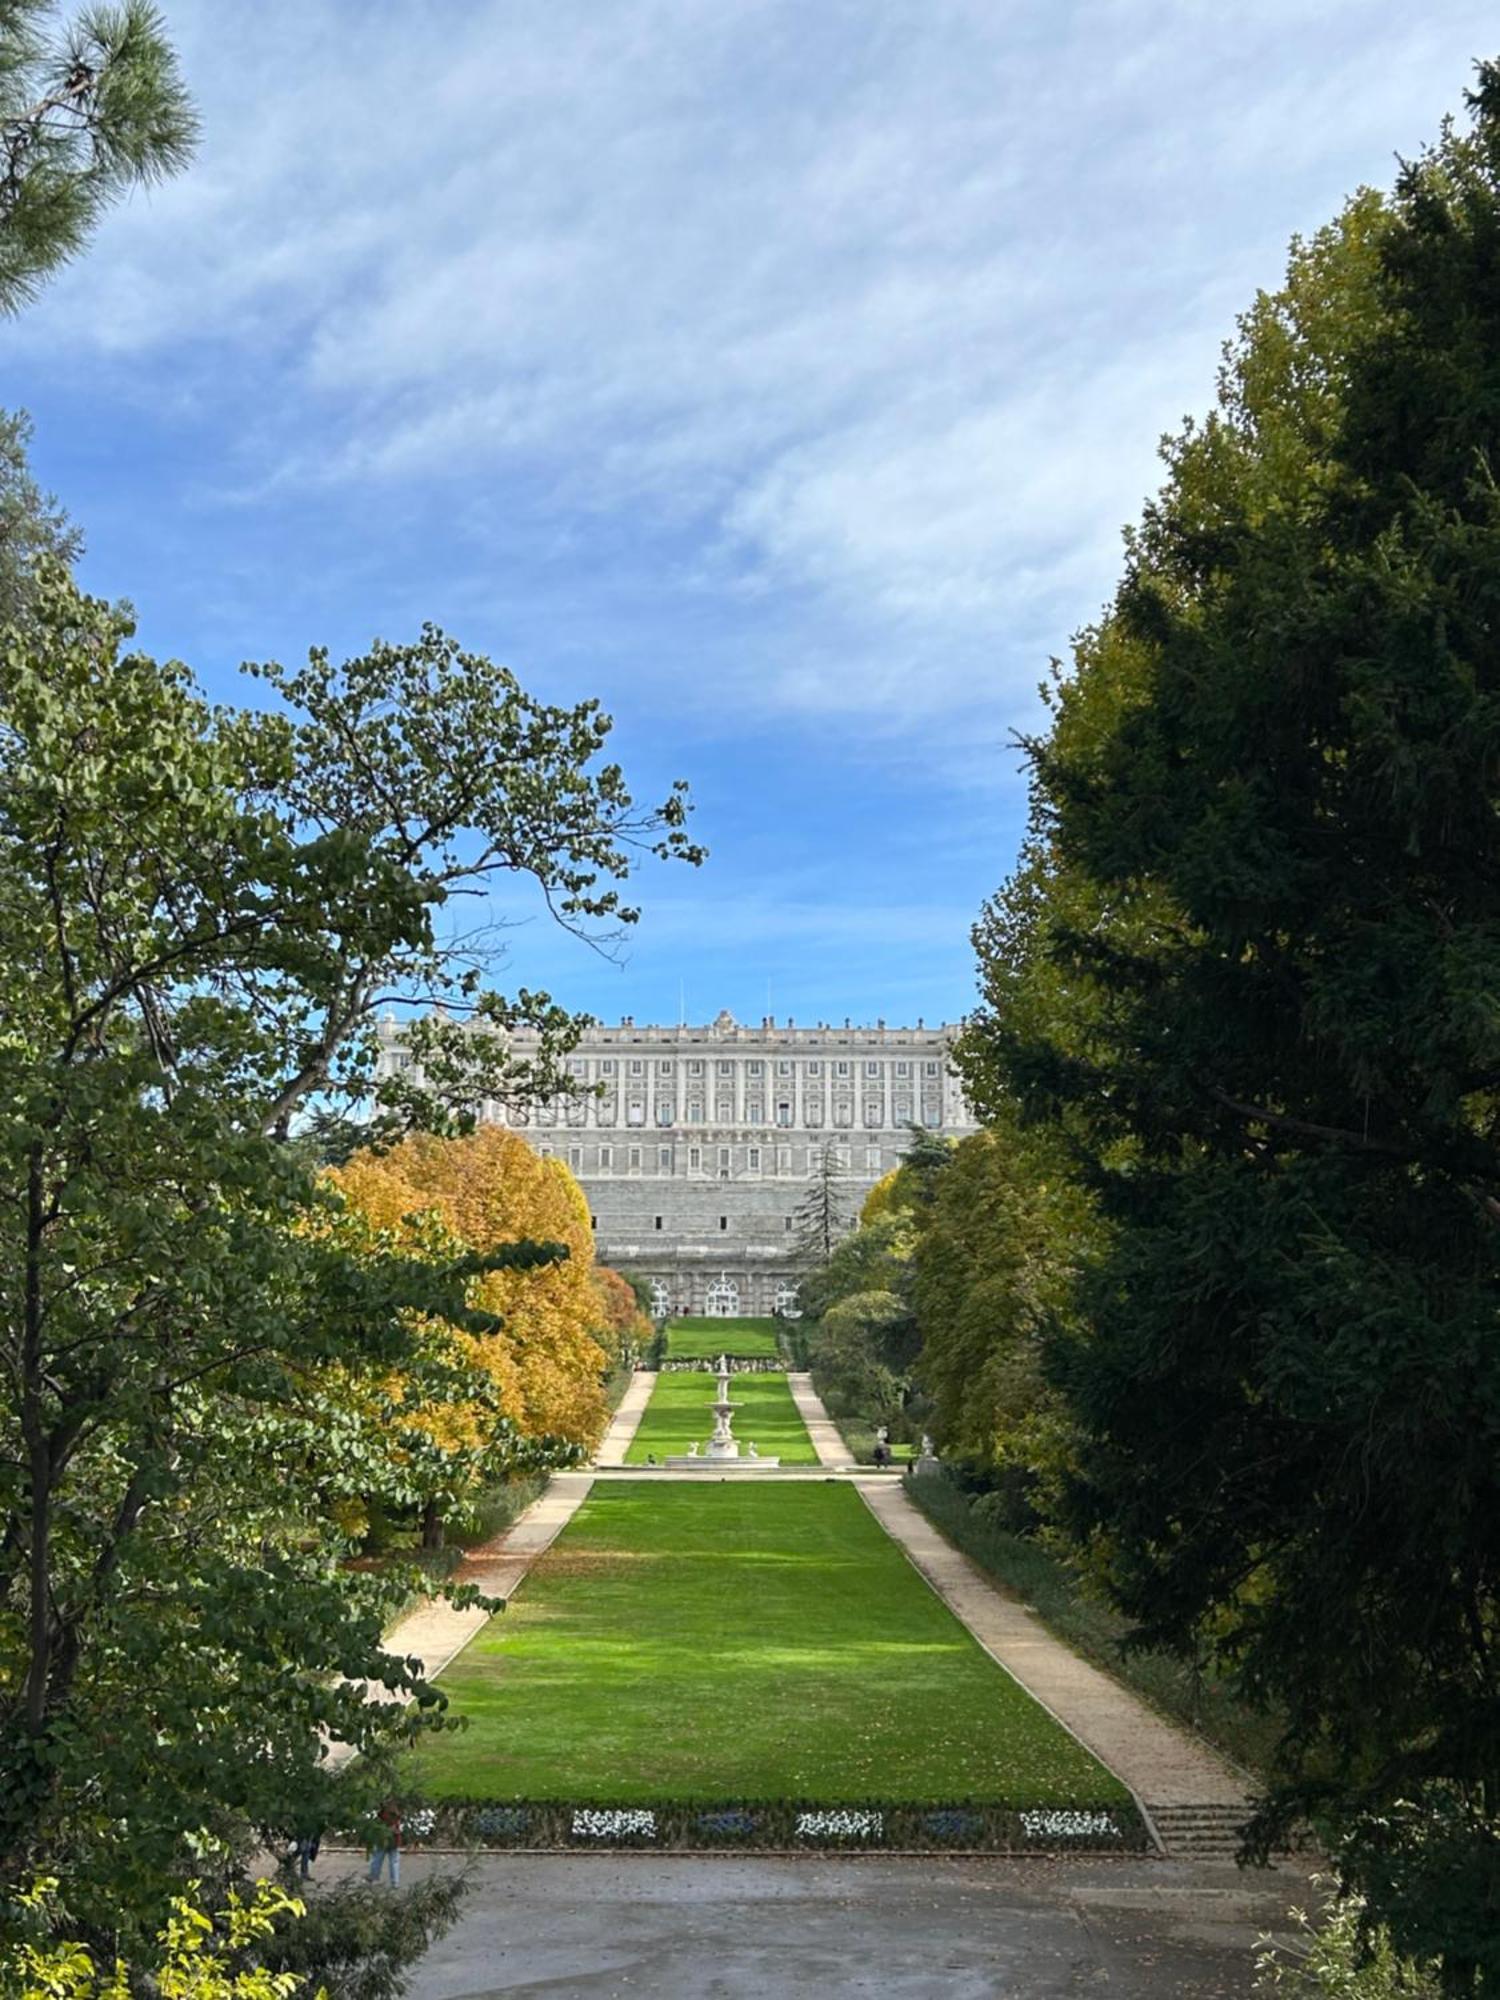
{"x": 200, "y": 911}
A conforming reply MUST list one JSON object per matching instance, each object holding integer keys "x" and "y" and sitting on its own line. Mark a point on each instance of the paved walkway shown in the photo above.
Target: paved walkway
{"x": 1192, "y": 1796}
{"x": 626, "y": 1419}
{"x": 847, "y": 1927}
{"x": 1167, "y": 1769}
{"x": 828, "y": 1443}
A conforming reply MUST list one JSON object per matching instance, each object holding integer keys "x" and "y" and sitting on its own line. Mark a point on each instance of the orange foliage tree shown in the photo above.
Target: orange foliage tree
{"x": 624, "y": 1328}
{"x": 537, "y": 1372}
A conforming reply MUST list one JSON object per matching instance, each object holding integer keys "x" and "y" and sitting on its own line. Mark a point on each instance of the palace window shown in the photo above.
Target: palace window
{"x": 872, "y": 1111}
{"x": 607, "y": 1067}
{"x": 755, "y": 1068}
{"x": 783, "y": 1069}
{"x": 754, "y": 1112}
{"x": 723, "y": 1222}
{"x": 664, "y": 1159}
{"x": 903, "y": 1069}
{"x": 783, "y": 1159}
{"x": 791, "y": 1222}
{"x": 606, "y": 1158}
{"x": 658, "y": 1222}
{"x": 872, "y": 1069}
{"x": 637, "y": 1067}
{"x": 815, "y": 1069}
{"x": 754, "y": 1160}
{"x": 695, "y": 1158}
{"x": 695, "y": 1069}
{"x": 575, "y": 1157}
{"x": 695, "y": 1114}
{"x": 931, "y": 1069}
{"x": 841, "y": 1069}
{"x": 843, "y": 1114}
{"x": 872, "y": 1159}
{"x": 783, "y": 1113}
{"x": 726, "y": 1069}
{"x": 664, "y": 1069}
{"x": 635, "y": 1159}
{"x": 636, "y": 1115}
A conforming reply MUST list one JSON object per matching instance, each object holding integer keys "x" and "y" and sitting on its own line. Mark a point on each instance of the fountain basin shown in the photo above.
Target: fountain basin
{"x": 699, "y": 1461}
{"x": 722, "y": 1452}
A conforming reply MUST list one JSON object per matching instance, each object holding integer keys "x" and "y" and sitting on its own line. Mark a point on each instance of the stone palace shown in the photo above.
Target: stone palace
{"x": 701, "y": 1143}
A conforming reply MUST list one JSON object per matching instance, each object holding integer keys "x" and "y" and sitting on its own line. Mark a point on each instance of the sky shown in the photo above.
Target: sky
{"x": 781, "y": 372}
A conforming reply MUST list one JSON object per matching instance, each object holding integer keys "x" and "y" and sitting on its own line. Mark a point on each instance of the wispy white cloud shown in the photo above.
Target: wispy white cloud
{"x": 874, "y": 309}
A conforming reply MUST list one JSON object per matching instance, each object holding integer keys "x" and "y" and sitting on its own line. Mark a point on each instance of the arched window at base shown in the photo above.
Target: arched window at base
{"x": 723, "y": 1299}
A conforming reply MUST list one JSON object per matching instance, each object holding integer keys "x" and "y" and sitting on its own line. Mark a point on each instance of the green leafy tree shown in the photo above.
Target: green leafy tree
{"x": 90, "y": 109}
{"x": 195, "y": 1956}
{"x": 202, "y": 908}
{"x": 849, "y": 1347}
{"x": 33, "y": 528}
{"x": 994, "y": 1267}
{"x": 1247, "y": 974}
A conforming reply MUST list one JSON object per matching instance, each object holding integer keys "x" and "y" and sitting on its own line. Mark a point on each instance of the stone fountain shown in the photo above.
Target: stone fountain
{"x": 722, "y": 1452}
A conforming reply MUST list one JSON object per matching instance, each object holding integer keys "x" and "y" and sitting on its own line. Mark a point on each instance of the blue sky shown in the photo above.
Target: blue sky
{"x": 780, "y": 371}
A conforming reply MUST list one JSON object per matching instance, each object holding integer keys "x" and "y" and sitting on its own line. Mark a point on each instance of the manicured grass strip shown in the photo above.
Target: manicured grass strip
{"x": 742, "y": 1643}
{"x": 679, "y": 1414}
{"x": 707, "y": 1339}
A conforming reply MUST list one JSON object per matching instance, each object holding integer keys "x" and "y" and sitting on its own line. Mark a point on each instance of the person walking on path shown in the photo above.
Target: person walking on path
{"x": 387, "y": 1845}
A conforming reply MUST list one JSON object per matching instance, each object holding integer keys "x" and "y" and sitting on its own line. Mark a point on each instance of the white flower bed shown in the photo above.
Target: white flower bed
{"x": 421, "y": 1825}
{"x": 621, "y": 1823}
{"x": 1057, "y": 1824}
{"x": 840, "y": 1825}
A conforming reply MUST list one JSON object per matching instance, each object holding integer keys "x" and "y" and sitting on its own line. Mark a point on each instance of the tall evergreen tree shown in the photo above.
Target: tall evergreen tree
{"x": 1250, "y": 972}
{"x": 822, "y": 1215}
{"x": 89, "y": 109}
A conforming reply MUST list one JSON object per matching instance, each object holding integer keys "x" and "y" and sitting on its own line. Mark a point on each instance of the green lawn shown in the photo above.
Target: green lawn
{"x": 679, "y": 1414}
{"x": 707, "y": 1339}
{"x": 741, "y": 1643}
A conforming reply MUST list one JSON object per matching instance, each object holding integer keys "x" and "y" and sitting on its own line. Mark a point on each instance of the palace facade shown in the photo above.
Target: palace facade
{"x": 701, "y": 1142}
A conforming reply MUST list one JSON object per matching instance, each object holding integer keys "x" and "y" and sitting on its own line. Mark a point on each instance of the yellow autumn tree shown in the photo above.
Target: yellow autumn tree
{"x": 488, "y": 1190}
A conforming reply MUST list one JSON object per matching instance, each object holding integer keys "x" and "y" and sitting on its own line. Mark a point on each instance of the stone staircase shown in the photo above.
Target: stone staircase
{"x": 1199, "y": 1833}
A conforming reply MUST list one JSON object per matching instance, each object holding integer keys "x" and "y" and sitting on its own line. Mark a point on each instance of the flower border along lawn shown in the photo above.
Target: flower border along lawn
{"x": 680, "y": 1413}
{"x": 752, "y": 1643}
{"x": 707, "y": 1339}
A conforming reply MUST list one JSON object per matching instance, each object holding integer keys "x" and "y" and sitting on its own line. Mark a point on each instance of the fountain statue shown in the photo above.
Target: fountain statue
{"x": 722, "y": 1452}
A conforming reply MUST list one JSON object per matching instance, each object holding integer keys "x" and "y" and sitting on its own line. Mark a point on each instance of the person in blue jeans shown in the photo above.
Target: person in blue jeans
{"x": 387, "y": 1847}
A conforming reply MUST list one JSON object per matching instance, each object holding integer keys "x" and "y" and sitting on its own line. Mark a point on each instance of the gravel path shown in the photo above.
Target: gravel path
{"x": 827, "y": 1440}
